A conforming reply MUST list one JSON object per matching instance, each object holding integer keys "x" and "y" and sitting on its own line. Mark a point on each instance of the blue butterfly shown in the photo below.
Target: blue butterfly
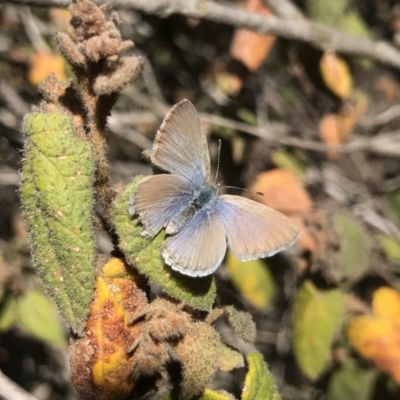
{"x": 198, "y": 221}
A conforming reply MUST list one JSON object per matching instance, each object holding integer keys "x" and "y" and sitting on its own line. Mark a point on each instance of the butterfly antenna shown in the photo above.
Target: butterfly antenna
{"x": 218, "y": 159}
{"x": 246, "y": 190}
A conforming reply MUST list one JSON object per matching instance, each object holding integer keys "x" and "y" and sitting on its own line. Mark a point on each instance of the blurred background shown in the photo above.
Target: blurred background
{"x": 328, "y": 311}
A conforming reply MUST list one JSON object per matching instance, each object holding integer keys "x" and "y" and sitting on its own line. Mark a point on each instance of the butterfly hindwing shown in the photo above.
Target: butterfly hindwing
{"x": 199, "y": 248}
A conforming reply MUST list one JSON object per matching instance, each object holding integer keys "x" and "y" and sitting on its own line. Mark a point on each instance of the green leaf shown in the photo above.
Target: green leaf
{"x": 253, "y": 279}
{"x": 353, "y": 256}
{"x": 57, "y": 199}
{"x": 285, "y": 159}
{"x": 339, "y": 14}
{"x": 316, "y": 316}
{"x": 351, "y": 382}
{"x": 259, "y": 383}
{"x": 145, "y": 255}
{"x": 38, "y": 317}
{"x": 394, "y": 203}
{"x": 247, "y": 116}
{"x": 8, "y": 313}
{"x": 391, "y": 247}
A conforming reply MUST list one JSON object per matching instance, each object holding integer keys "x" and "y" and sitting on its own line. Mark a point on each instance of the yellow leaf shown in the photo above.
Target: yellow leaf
{"x": 44, "y": 64}
{"x": 253, "y": 279}
{"x": 386, "y": 304}
{"x": 336, "y": 74}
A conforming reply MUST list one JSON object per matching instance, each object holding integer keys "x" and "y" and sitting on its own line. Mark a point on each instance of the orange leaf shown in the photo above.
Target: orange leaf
{"x": 249, "y": 47}
{"x": 336, "y": 74}
{"x": 377, "y": 337}
{"x": 282, "y": 191}
{"x": 306, "y": 241}
{"x": 336, "y": 128}
{"x": 330, "y": 133}
{"x": 44, "y": 64}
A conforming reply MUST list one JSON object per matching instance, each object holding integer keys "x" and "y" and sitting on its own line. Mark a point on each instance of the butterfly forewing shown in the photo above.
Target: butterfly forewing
{"x": 199, "y": 248}
{"x": 254, "y": 230}
{"x": 180, "y": 146}
{"x": 158, "y": 198}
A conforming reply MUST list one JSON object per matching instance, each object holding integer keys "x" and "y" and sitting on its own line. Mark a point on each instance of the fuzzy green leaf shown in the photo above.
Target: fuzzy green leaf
{"x": 242, "y": 323}
{"x": 145, "y": 255}
{"x": 198, "y": 352}
{"x": 259, "y": 383}
{"x": 57, "y": 198}
{"x": 316, "y": 315}
{"x": 229, "y": 359}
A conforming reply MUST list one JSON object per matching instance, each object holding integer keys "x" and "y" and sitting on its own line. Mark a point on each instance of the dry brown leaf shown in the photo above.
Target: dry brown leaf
{"x": 282, "y": 191}
{"x": 249, "y": 47}
{"x": 336, "y": 74}
{"x": 44, "y": 64}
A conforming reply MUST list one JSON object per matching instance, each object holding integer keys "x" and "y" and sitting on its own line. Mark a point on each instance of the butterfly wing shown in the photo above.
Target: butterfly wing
{"x": 180, "y": 146}
{"x": 199, "y": 248}
{"x": 254, "y": 230}
{"x": 157, "y": 199}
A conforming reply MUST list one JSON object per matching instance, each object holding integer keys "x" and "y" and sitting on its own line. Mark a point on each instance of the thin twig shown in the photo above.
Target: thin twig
{"x": 285, "y": 9}
{"x": 9, "y": 177}
{"x": 9, "y": 390}
{"x": 33, "y": 31}
{"x": 382, "y": 118}
{"x": 315, "y": 34}
{"x": 385, "y": 143}
{"x": 13, "y": 100}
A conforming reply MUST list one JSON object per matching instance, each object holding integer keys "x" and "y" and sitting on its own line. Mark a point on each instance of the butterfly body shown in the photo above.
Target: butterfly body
{"x": 198, "y": 221}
